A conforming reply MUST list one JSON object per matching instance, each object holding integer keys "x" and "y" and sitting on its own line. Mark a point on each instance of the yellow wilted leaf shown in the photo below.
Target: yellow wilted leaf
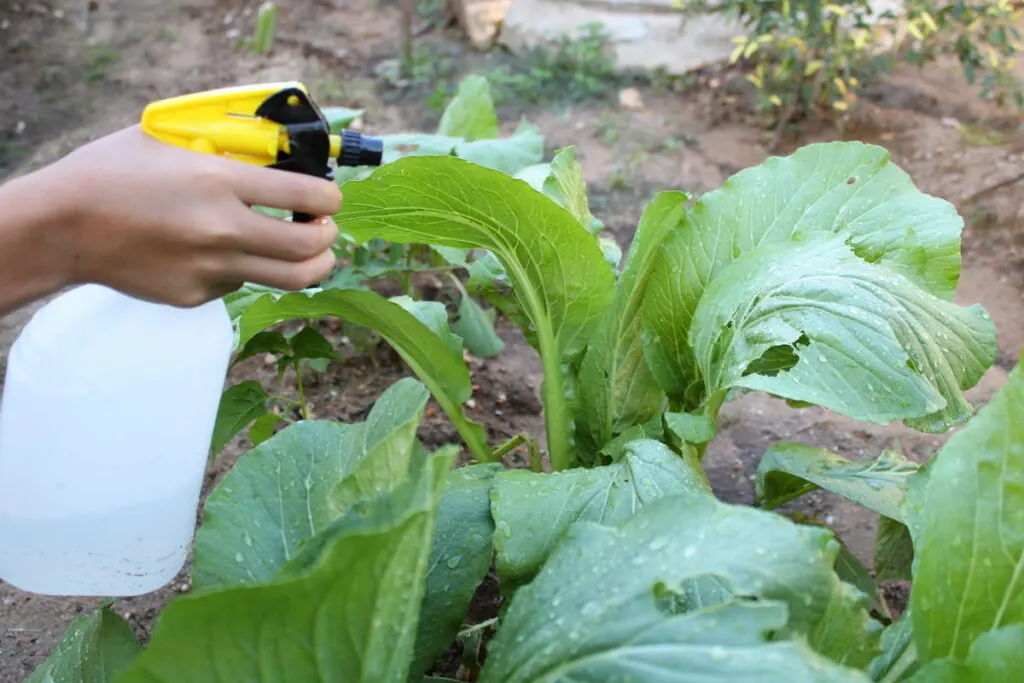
{"x": 928, "y": 21}
{"x": 735, "y": 54}
{"x": 776, "y": 100}
{"x": 750, "y": 49}
{"x": 753, "y": 78}
{"x": 853, "y": 81}
{"x": 813, "y": 66}
{"x": 993, "y": 57}
{"x": 840, "y": 105}
{"x": 836, "y": 9}
{"x": 914, "y": 30}
{"x": 840, "y": 85}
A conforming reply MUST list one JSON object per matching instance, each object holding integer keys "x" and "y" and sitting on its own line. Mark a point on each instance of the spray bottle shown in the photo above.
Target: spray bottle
{"x": 109, "y": 402}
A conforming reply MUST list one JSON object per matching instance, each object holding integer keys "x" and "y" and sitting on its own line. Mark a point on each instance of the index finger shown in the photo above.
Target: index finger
{"x": 287, "y": 190}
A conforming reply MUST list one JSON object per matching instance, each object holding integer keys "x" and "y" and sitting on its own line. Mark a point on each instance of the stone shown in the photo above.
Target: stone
{"x": 481, "y": 20}
{"x": 644, "y": 35}
{"x": 630, "y": 98}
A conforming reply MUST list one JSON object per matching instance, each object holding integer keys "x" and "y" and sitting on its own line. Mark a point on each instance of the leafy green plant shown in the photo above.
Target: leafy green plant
{"x": 266, "y": 20}
{"x": 809, "y": 56}
{"x": 349, "y": 552}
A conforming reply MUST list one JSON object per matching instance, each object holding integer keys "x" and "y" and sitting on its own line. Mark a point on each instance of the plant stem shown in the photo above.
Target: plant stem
{"x": 505, "y": 448}
{"x": 554, "y": 411}
{"x": 477, "y": 627}
{"x": 408, "y": 9}
{"x": 303, "y": 410}
{"x": 904, "y": 662}
{"x": 536, "y": 463}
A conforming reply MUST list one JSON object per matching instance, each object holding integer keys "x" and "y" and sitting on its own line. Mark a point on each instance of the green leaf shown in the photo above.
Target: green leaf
{"x": 995, "y": 657}
{"x": 559, "y": 276}
{"x": 270, "y": 341}
{"x": 434, "y": 315}
{"x": 288, "y": 489}
{"x": 845, "y": 188}
{"x": 341, "y": 117}
{"x": 263, "y": 428}
{"x": 239, "y": 406}
{"x": 894, "y": 551}
{"x": 430, "y": 357}
{"x": 692, "y": 429}
{"x": 617, "y": 387}
{"x": 401, "y": 145}
{"x": 470, "y": 114}
{"x": 619, "y": 591}
{"x": 533, "y": 510}
{"x": 967, "y": 536}
{"x": 308, "y": 343}
{"x": 459, "y": 559}
{"x": 852, "y": 571}
{"x": 476, "y": 327}
{"x": 348, "y": 614}
{"x": 847, "y": 634}
{"x": 897, "y": 658}
{"x": 523, "y": 148}
{"x": 861, "y": 340}
{"x": 566, "y": 186}
{"x": 94, "y": 649}
{"x": 790, "y": 470}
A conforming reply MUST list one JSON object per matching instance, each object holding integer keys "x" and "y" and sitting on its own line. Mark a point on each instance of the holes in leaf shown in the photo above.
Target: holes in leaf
{"x": 776, "y": 359}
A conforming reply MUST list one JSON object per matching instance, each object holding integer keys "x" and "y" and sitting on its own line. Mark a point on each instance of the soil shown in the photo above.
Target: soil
{"x": 71, "y": 72}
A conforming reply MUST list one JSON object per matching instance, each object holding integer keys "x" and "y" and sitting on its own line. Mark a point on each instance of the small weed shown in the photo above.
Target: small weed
{"x": 266, "y": 20}
{"x": 977, "y": 135}
{"x": 98, "y": 62}
{"x": 574, "y": 70}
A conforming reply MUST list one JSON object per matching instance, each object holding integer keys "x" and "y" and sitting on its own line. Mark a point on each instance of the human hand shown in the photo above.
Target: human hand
{"x": 166, "y": 224}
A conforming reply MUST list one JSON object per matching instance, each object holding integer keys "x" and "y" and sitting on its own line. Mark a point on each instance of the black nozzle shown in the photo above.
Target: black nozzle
{"x": 360, "y": 150}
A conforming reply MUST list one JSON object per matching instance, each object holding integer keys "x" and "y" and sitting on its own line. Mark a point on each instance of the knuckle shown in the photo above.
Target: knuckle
{"x": 212, "y": 176}
{"x": 306, "y": 243}
{"x": 221, "y": 233}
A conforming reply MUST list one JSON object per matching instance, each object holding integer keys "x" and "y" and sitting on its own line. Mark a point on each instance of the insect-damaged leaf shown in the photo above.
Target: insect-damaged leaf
{"x": 615, "y": 594}
{"x": 346, "y": 609}
{"x": 790, "y": 470}
{"x": 863, "y": 340}
{"x": 288, "y": 489}
{"x": 843, "y": 188}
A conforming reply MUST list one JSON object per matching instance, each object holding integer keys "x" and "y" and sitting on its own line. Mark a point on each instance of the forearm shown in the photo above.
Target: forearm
{"x": 35, "y": 261}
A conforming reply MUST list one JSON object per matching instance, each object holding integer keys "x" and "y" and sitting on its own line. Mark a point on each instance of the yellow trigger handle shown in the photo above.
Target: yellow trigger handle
{"x": 273, "y": 124}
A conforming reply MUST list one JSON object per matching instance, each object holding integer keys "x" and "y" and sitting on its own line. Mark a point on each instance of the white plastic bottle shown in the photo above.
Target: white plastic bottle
{"x": 107, "y": 414}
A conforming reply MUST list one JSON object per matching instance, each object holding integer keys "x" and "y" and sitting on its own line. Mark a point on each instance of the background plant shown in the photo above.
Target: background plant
{"x": 808, "y": 57}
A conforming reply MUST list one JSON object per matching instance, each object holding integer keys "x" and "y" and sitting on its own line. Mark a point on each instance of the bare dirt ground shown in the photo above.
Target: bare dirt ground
{"x": 72, "y": 71}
